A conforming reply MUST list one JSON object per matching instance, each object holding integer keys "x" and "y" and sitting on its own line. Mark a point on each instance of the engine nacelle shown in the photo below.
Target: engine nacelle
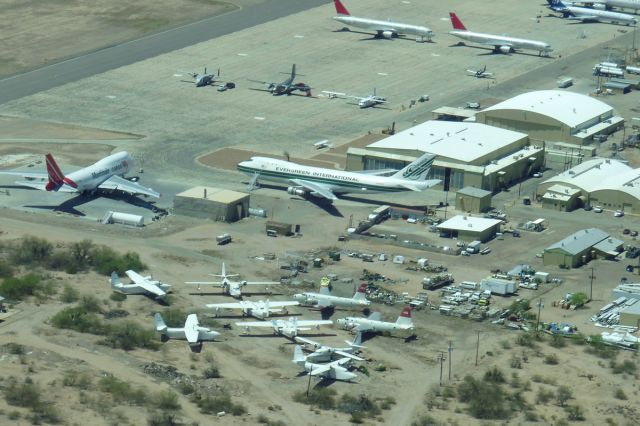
{"x": 505, "y": 49}
{"x": 296, "y": 191}
{"x": 387, "y": 34}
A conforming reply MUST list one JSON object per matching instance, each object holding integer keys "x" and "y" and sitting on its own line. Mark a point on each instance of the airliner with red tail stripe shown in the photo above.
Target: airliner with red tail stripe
{"x": 107, "y": 174}
{"x": 383, "y": 29}
{"x": 501, "y": 44}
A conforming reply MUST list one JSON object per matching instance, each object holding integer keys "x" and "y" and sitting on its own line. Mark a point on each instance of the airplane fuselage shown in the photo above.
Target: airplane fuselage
{"x": 370, "y": 325}
{"x": 327, "y": 301}
{"x": 204, "y": 334}
{"x": 339, "y": 182}
{"x": 588, "y": 14}
{"x": 623, "y": 4}
{"x": 387, "y": 29}
{"x": 504, "y": 44}
{"x": 89, "y": 178}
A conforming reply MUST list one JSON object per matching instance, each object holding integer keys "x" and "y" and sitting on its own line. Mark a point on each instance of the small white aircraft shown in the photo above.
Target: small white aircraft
{"x": 141, "y": 285}
{"x": 500, "y": 43}
{"x": 107, "y": 174}
{"x": 260, "y": 309}
{"x": 326, "y": 183}
{"x": 288, "y": 328}
{"x": 232, "y": 288}
{"x": 482, "y": 73}
{"x": 363, "y": 101}
{"x": 374, "y": 323}
{"x": 323, "y": 353}
{"x": 325, "y": 299}
{"x": 383, "y": 29}
{"x": 334, "y": 370}
{"x": 191, "y": 332}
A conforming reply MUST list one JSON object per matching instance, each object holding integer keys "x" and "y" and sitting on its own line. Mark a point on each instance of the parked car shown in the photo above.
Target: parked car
{"x": 634, "y": 233}
{"x": 598, "y": 209}
{"x": 618, "y": 213}
{"x": 537, "y": 175}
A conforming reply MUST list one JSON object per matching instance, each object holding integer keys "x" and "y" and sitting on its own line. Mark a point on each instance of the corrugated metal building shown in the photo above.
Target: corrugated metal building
{"x": 212, "y": 203}
{"x": 580, "y": 247}
{"x": 469, "y": 228}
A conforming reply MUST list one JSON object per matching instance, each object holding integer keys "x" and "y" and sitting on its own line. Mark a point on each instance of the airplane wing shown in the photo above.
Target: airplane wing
{"x": 282, "y": 304}
{"x": 308, "y": 341}
{"x": 191, "y": 328}
{"x": 151, "y": 288}
{"x": 315, "y": 187}
{"x": 260, "y": 283}
{"x": 348, "y": 356}
{"x": 230, "y": 305}
{"x": 334, "y": 94}
{"x": 319, "y": 370}
{"x": 255, "y": 324}
{"x": 303, "y": 323}
{"x": 124, "y": 185}
{"x": 214, "y": 283}
{"x": 42, "y": 185}
{"x": 26, "y": 175}
{"x": 411, "y": 187}
{"x": 260, "y": 81}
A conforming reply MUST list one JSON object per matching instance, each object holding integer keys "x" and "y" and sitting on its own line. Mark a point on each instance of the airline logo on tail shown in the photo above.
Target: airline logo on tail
{"x": 340, "y": 9}
{"x": 419, "y": 169}
{"x": 56, "y": 177}
{"x": 404, "y": 320}
{"x": 456, "y": 22}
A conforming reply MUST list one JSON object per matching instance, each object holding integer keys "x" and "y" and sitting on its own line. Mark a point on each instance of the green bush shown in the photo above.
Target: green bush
{"x": 427, "y": 420}
{"x": 323, "y": 398}
{"x": 543, "y": 396}
{"x": 29, "y": 395}
{"x": 19, "y": 288}
{"x": 574, "y": 413}
{"x": 32, "y": 250}
{"x": 162, "y": 418}
{"x": 77, "y": 379}
{"x": 122, "y": 392}
{"x": 77, "y": 318}
{"x": 551, "y": 359}
{"x": 211, "y": 373}
{"x": 361, "y": 404}
{"x": 563, "y": 394}
{"x": 166, "y": 400}
{"x": 5, "y": 269}
{"x": 485, "y": 399}
{"x": 494, "y": 375}
{"x": 600, "y": 349}
{"x": 69, "y": 294}
{"x": 626, "y": 367}
{"x": 130, "y": 335}
{"x": 15, "y": 348}
{"x": 216, "y": 404}
{"x": 105, "y": 260}
{"x": 118, "y": 297}
{"x": 619, "y": 394}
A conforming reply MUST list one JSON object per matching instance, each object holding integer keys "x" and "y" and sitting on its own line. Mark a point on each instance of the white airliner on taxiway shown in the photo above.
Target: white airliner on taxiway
{"x": 386, "y": 29}
{"x": 587, "y": 14}
{"x": 106, "y": 174}
{"x": 500, "y": 43}
{"x": 320, "y": 182}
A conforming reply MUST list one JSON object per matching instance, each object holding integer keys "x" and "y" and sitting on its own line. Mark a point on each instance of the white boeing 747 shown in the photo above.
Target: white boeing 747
{"x": 502, "y": 44}
{"x": 386, "y": 29}
{"x": 587, "y": 14}
{"x": 107, "y": 174}
{"x": 320, "y": 182}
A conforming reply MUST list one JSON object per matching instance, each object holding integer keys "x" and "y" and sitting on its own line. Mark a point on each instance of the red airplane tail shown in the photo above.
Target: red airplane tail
{"x": 56, "y": 177}
{"x": 340, "y": 9}
{"x": 456, "y": 22}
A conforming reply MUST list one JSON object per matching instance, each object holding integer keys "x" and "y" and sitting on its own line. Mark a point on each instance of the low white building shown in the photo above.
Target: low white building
{"x": 468, "y": 228}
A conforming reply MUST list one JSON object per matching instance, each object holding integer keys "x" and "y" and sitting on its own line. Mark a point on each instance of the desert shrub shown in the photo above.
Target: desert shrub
{"x": 216, "y": 404}
{"x": 485, "y": 399}
{"x": 600, "y": 349}
{"x": 574, "y": 413}
{"x": 118, "y": 297}
{"x": 211, "y": 372}
{"x": 15, "y": 348}
{"x": 29, "y": 395}
{"x": 122, "y": 392}
{"x": 77, "y": 379}
{"x": 77, "y": 318}
{"x": 551, "y": 359}
{"x": 427, "y": 420}
{"x": 19, "y": 288}
{"x": 543, "y": 396}
{"x": 494, "y": 375}
{"x": 563, "y": 394}
{"x": 323, "y": 398}
{"x": 90, "y": 304}
{"x": 619, "y": 394}
{"x": 186, "y": 388}
{"x": 130, "y": 335}
{"x": 163, "y": 418}
{"x": 69, "y": 294}
{"x": 32, "y": 250}
{"x": 105, "y": 260}
{"x": 626, "y": 366}
{"x": 516, "y": 362}
{"x": 174, "y": 317}
{"x": 5, "y": 269}
{"x": 557, "y": 341}
{"x": 358, "y": 404}
{"x": 526, "y": 340}
{"x": 166, "y": 400}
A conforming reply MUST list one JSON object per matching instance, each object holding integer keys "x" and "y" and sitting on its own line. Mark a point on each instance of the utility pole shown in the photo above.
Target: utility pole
{"x": 309, "y": 383}
{"x": 477, "y": 348}
{"x": 450, "y": 350}
{"x": 538, "y": 320}
{"x": 441, "y": 359}
{"x": 592, "y": 277}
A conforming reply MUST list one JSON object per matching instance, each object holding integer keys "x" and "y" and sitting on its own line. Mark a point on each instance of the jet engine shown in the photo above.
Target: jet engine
{"x": 505, "y": 49}
{"x": 296, "y": 191}
{"x": 387, "y": 34}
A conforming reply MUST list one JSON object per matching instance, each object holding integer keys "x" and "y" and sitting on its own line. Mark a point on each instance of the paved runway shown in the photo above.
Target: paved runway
{"x": 109, "y": 58}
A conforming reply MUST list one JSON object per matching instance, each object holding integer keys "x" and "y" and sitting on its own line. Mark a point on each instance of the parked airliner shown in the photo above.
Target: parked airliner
{"x": 587, "y": 14}
{"x": 383, "y": 29}
{"x": 500, "y": 43}
{"x": 320, "y": 182}
{"x": 106, "y": 174}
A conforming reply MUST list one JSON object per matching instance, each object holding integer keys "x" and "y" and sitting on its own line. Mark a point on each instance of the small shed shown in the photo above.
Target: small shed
{"x": 473, "y": 200}
{"x": 630, "y": 316}
{"x": 212, "y": 203}
{"x": 470, "y": 228}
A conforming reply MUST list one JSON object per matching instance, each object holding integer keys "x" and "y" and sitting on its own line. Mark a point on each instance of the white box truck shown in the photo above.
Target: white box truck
{"x": 473, "y": 247}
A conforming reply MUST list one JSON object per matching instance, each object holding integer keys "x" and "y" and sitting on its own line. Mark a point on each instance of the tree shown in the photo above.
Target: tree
{"x": 579, "y": 299}
{"x": 563, "y": 394}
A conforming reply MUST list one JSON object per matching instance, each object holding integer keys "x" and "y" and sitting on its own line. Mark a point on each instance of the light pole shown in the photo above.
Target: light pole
{"x": 441, "y": 358}
{"x": 540, "y": 305}
{"x": 450, "y": 349}
{"x": 592, "y": 277}
{"x": 477, "y": 348}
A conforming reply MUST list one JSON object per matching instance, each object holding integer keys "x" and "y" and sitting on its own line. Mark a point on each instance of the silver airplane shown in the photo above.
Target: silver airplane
{"x": 204, "y": 79}
{"x": 326, "y": 183}
{"x": 286, "y": 87}
{"x": 374, "y": 323}
{"x": 324, "y": 353}
{"x": 586, "y": 14}
{"x": 260, "y": 309}
{"x": 334, "y": 370}
{"x": 191, "y": 332}
{"x": 325, "y": 299}
{"x": 622, "y": 4}
{"x": 383, "y": 29}
{"x": 107, "y": 174}
{"x": 232, "y": 288}
{"x": 501, "y": 44}
{"x": 481, "y": 73}
{"x": 141, "y": 285}
{"x": 288, "y": 328}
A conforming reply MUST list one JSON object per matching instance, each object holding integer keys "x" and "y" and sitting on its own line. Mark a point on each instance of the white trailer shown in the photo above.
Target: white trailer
{"x": 499, "y": 286}
{"x": 379, "y": 214}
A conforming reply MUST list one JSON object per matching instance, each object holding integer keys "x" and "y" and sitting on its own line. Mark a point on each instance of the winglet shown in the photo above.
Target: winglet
{"x": 340, "y": 9}
{"x": 456, "y": 22}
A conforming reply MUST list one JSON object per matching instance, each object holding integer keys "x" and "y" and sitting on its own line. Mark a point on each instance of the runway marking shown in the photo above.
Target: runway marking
{"x": 445, "y": 19}
{"x": 298, "y": 36}
{"x": 243, "y": 54}
{"x": 111, "y": 97}
{"x": 435, "y": 54}
{"x": 258, "y": 118}
{"x": 382, "y": 73}
{"x": 177, "y": 75}
{"x": 406, "y": 2}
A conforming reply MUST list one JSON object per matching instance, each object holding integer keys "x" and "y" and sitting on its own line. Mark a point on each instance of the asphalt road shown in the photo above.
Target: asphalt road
{"x": 112, "y": 57}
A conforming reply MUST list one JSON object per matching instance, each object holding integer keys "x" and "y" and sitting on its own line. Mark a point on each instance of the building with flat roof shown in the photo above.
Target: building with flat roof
{"x": 212, "y": 203}
{"x": 553, "y": 115}
{"x": 580, "y": 247}
{"x": 609, "y": 183}
{"x": 467, "y": 154}
{"x": 473, "y": 200}
{"x": 470, "y": 228}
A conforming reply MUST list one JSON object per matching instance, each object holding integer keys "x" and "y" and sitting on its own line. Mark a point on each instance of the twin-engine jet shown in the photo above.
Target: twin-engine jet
{"x": 374, "y": 323}
{"x": 286, "y": 87}
{"x": 261, "y": 309}
{"x": 325, "y": 299}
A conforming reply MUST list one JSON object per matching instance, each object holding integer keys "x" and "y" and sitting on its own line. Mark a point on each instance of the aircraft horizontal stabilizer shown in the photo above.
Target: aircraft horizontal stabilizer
{"x": 348, "y": 355}
{"x": 319, "y": 370}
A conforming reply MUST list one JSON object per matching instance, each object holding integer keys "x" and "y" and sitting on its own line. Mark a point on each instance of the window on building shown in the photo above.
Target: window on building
{"x": 381, "y": 163}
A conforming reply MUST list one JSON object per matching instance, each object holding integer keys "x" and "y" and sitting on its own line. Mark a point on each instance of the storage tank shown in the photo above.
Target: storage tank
{"x": 123, "y": 218}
